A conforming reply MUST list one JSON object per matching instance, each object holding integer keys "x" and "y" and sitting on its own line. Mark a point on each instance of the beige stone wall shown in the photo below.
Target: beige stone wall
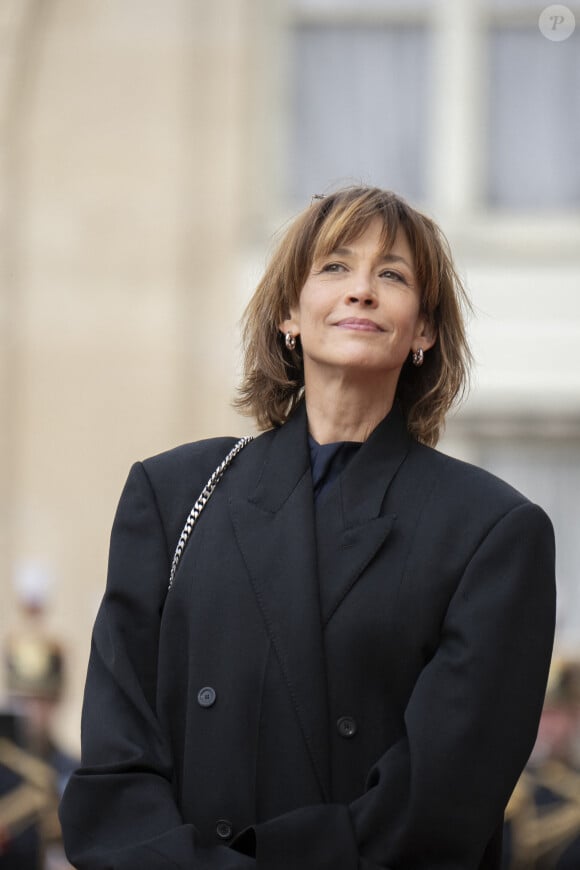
{"x": 121, "y": 202}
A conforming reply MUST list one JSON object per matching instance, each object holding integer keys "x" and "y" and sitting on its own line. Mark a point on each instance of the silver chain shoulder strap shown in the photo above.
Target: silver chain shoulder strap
{"x": 201, "y": 502}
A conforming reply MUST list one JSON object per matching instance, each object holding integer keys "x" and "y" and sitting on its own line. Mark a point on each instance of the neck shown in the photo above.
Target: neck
{"x": 346, "y": 410}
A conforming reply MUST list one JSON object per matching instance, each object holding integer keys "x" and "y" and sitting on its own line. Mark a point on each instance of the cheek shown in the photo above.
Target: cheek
{"x": 407, "y": 317}
{"x": 312, "y": 313}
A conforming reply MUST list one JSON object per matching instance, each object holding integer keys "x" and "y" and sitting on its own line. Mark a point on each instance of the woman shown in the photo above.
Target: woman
{"x": 349, "y": 667}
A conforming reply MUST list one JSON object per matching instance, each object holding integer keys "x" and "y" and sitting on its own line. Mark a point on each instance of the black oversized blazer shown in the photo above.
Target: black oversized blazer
{"x": 358, "y": 688}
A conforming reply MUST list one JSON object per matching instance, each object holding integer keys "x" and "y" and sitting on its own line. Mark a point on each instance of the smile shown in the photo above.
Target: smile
{"x": 360, "y": 324}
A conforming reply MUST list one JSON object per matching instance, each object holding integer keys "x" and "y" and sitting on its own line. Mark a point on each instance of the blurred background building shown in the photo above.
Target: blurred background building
{"x": 149, "y": 151}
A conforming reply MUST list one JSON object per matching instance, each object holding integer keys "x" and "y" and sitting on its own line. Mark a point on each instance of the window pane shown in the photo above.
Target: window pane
{"x": 359, "y": 108}
{"x": 534, "y": 120}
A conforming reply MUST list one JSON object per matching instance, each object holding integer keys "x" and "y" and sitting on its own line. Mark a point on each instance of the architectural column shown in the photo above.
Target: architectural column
{"x": 459, "y": 122}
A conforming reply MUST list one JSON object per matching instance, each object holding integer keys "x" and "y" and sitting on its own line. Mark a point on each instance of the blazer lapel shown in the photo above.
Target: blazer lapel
{"x": 350, "y": 527}
{"x": 274, "y": 529}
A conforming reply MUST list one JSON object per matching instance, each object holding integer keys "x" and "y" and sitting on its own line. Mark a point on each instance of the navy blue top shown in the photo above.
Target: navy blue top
{"x": 327, "y": 461}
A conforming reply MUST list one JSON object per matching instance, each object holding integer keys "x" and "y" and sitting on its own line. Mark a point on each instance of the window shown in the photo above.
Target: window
{"x": 533, "y": 120}
{"x": 360, "y": 107}
{"x": 461, "y": 105}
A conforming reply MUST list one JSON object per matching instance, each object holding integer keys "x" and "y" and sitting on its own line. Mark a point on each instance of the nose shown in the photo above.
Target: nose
{"x": 363, "y": 293}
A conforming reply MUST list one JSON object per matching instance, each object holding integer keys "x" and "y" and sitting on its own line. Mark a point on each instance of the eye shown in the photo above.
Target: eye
{"x": 390, "y": 275}
{"x": 332, "y": 267}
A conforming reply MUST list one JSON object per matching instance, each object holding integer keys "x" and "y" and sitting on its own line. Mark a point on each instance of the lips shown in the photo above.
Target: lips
{"x": 359, "y": 323}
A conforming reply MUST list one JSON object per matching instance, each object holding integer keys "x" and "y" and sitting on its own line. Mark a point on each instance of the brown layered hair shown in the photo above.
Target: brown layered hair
{"x": 273, "y": 376}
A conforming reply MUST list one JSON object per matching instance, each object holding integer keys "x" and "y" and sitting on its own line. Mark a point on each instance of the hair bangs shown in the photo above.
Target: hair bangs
{"x": 348, "y": 219}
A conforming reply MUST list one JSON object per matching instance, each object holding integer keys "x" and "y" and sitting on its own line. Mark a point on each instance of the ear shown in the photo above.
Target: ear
{"x": 425, "y": 334}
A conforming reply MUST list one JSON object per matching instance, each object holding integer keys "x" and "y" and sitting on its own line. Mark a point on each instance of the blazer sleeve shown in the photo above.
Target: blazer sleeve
{"x": 435, "y": 798}
{"x": 118, "y": 811}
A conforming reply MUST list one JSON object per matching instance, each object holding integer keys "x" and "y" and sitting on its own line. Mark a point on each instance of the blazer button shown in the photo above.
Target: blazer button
{"x": 206, "y": 696}
{"x": 346, "y": 726}
{"x": 224, "y": 829}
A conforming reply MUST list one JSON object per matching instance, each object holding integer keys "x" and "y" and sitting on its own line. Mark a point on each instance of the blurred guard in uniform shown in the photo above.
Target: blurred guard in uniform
{"x": 33, "y": 768}
{"x": 27, "y": 801}
{"x": 542, "y": 830}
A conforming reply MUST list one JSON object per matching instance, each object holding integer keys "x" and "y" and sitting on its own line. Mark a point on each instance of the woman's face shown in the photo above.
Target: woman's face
{"x": 359, "y": 310}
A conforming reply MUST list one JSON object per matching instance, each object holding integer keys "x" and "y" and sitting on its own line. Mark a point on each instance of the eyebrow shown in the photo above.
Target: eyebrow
{"x": 385, "y": 258}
